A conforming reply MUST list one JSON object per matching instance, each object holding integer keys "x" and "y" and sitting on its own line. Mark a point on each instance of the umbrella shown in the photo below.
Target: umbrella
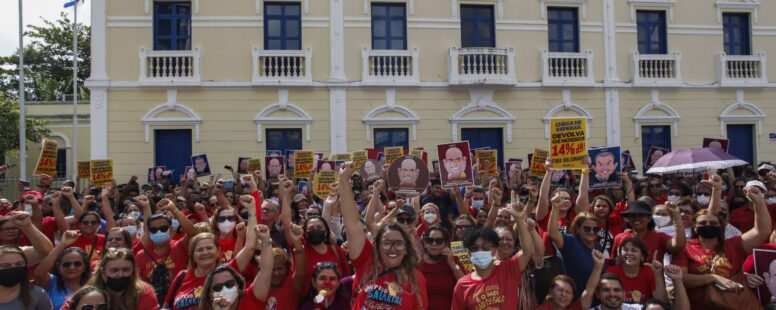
{"x": 695, "y": 160}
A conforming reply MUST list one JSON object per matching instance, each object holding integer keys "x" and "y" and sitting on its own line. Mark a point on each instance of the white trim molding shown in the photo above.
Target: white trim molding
{"x": 657, "y": 69}
{"x": 566, "y": 105}
{"x": 571, "y": 3}
{"x": 482, "y": 100}
{"x": 756, "y": 116}
{"x": 191, "y": 119}
{"x": 263, "y": 118}
{"x": 671, "y": 115}
{"x": 409, "y": 118}
{"x": 410, "y": 5}
{"x": 738, "y": 6}
{"x": 498, "y": 3}
{"x": 667, "y": 5}
{"x": 260, "y": 6}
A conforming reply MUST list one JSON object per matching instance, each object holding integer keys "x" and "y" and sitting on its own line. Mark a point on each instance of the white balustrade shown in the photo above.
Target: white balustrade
{"x": 170, "y": 66}
{"x": 389, "y": 66}
{"x": 482, "y": 65}
{"x": 742, "y": 70}
{"x": 657, "y": 69}
{"x": 282, "y": 66}
{"x": 567, "y": 68}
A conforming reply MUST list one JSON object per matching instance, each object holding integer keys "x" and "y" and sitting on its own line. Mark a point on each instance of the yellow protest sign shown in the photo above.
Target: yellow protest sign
{"x": 101, "y": 172}
{"x": 568, "y": 142}
{"x": 323, "y": 181}
{"x": 417, "y": 153}
{"x": 537, "y": 163}
{"x": 47, "y": 161}
{"x": 254, "y": 165}
{"x": 358, "y": 157}
{"x": 303, "y": 163}
{"x": 83, "y": 169}
{"x": 463, "y": 255}
{"x": 489, "y": 156}
{"x": 392, "y": 153}
{"x": 345, "y": 157}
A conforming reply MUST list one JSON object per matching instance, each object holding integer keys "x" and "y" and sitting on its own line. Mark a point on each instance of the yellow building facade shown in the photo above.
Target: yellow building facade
{"x": 495, "y": 70}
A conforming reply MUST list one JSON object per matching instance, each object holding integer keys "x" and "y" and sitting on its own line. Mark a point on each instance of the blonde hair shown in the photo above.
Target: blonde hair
{"x": 581, "y": 218}
{"x": 193, "y": 244}
{"x": 128, "y": 299}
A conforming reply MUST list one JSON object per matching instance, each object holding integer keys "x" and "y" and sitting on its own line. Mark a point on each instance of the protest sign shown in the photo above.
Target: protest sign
{"x": 323, "y": 181}
{"x": 653, "y": 155}
{"x": 275, "y": 166}
{"x": 358, "y": 157}
{"x": 487, "y": 161}
{"x": 326, "y": 165}
{"x": 371, "y": 170}
{"x": 462, "y": 254}
{"x": 344, "y": 157}
{"x": 101, "y": 172}
{"x": 47, "y": 161}
{"x": 513, "y": 169}
{"x": 303, "y": 163}
{"x": 254, "y": 165}
{"x": 83, "y": 169}
{"x": 201, "y": 165}
{"x": 718, "y": 143}
{"x": 626, "y": 163}
{"x": 765, "y": 265}
{"x": 604, "y": 167}
{"x": 435, "y": 165}
{"x": 408, "y": 176}
{"x": 392, "y": 153}
{"x": 242, "y": 165}
{"x": 455, "y": 164}
{"x": 568, "y": 142}
{"x": 190, "y": 174}
{"x": 537, "y": 163}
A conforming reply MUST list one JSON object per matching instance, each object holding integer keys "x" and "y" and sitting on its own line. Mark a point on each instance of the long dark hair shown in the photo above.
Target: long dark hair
{"x": 24, "y": 285}
{"x": 84, "y": 259}
{"x": 317, "y": 270}
{"x": 128, "y": 299}
{"x": 405, "y": 272}
{"x": 85, "y": 291}
{"x": 205, "y": 300}
{"x": 325, "y": 225}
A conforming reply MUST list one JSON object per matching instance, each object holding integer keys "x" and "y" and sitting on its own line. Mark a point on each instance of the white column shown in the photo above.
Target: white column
{"x": 98, "y": 82}
{"x": 613, "y": 117}
{"x": 610, "y": 75}
{"x": 337, "y": 40}
{"x": 338, "y": 120}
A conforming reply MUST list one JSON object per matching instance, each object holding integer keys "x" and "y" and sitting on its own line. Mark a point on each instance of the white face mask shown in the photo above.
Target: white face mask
{"x": 661, "y": 220}
{"x": 703, "y": 200}
{"x": 770, "y": 201}
{"x": 230, "y": 294}
{"x": 226, "y": 227}
{"x": 28, "y": 208}
{"x": 429, "y": 217}
{"x": 673, "y": 197}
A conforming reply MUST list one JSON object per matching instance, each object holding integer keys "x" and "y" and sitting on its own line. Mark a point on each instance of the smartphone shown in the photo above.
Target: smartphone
{"x": 229, "y": 184}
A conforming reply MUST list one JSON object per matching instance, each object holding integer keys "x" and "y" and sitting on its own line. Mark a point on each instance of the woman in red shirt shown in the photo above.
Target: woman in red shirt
{"x": 203, "y": 257}
{"x": 641, "y": 281}
{"x": 223, "y": 226}
{"x": 439, "y": 267}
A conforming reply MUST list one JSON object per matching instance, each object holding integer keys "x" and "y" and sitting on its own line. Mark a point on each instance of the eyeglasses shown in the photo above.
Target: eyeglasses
{"x": 222, "y": 219}
{"x": 654, "y": 185}
{"x": 396, "y": 244}
{"x": 164, "y": 228}
{"x": 90, "y": 223}
{"x": 405, "y": 220}
{"x": 9, "y": 230}
{"x": 227, "y": 284}
{"x": 707, "y": 223}
{"x": 74, "y": 264}
{"x": 95, "y": 307}
{"x": 590, "y": 229}
{"x": 115, "y": 239}
{"x": 435, "y": 241}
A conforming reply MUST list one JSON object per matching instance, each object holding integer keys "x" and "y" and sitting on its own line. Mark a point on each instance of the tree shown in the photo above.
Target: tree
{"x": 9, "y": 122}
{"x": 48, "y": 62}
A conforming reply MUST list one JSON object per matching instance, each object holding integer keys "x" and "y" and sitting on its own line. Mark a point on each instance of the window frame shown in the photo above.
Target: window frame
{"x": 391, "y": 131}
{"x": 283, "y": 18}
{"x": 388, "y": 19}
{"x": 476, "y": 41}
{"x": 561, "y": 40}
{"x": 648, "y": 26}
{"x": 746, "y": 26}
{"x": 174, "y": 18}
{"x": 286, "y": 132}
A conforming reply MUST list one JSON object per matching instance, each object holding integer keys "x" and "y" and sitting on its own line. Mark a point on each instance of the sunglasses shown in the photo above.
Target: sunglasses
{"x": 95, "y": 307}
{"x": 89, "y": 223}
{"x": 227, "y": 284}
{"x": 435, "y": 241}
{"x": 222, "y": 219}
{"x": 164, "y": 228}
{"x": 115, "y": 239}
{"x": 75, "y": 264}
{"x": 590, "y": 229}
{"x": 405, "y": 220}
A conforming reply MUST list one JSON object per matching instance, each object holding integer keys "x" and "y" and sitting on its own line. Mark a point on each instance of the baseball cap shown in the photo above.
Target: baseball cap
{"x": 406, "y": 210}
{"x": 300, "y": 197}
{"x": 638, "y": 207}
{"x": 757, "y": 184}
{"x": 767, "y": 167}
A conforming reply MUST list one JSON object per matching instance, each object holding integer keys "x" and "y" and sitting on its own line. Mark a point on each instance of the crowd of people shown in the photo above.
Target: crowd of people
{"x": 680, "y": 241}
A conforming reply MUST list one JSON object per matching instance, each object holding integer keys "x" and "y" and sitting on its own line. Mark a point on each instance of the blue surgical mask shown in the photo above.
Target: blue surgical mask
{"x": 132, "y": 230}
{"x": 135, "y": 214}
{"x": 160, "y": 237}
{"x": 175, "y": 224}
{"x": 478, "y": 203}
{"x": 482, "y": 259}
{"x": 673, "y": 197}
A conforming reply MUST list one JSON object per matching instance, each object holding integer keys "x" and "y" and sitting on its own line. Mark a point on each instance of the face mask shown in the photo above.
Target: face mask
{"x": 478, "y": 203}
{"x": 703, "y": 200}
{"x": 708, "y": 232}
{"x": 230, "y": 294}
{"x": 661, "y": 220}
{"x": 429, "y": 217}
{"x": 316, "y": 237}
{"x": 482, "y": 259}
{"x": 132, "y": 230}
{"x": 175, "y": 224}
{"x": 12, "y": 276}
{"x": 117, "y": 284}
{"x": 435, "y": 258}
{"x": 673, "y": 197}
{"x": 226, "y": 227}
{"x": 135, "y": 214}
{"x": 28, "y": 208}
{"x": 770, "y": 201}
{"x": 160, "y": 237}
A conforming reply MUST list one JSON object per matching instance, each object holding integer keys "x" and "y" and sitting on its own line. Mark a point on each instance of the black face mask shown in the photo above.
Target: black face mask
{"x": 708, "y": 232}
{"x": 118, "y": 284}
{"x": 12, "y": 276}
{"x": 316, "y": 237}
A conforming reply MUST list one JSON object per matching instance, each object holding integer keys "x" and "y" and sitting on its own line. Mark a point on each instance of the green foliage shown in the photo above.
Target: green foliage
{"x": 9, "y": 122}
{"x": 48, "y": 62}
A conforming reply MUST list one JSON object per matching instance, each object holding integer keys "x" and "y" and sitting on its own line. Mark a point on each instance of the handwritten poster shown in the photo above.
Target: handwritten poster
{"x": 568, "y": 142}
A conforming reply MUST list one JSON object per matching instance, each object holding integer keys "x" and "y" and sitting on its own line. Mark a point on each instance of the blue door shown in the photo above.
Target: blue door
{"x": 485, "y": 138}
{"x": 658, "y": 136}
{"x": 172, "y": 148}
{"x": 741, "y": 144}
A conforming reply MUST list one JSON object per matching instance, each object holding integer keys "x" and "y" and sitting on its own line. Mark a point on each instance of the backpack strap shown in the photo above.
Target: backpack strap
{"x": 176, "y": 286}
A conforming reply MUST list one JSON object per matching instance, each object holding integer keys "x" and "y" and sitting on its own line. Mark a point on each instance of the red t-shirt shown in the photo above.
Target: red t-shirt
{"x": 638, "y": 289}
{"x": 743, "y": 218}
{"x": 176, "y": 260}
{"x": 284, "y": 296}
{"x": 655, "y": 241}
{"x": 440, "y": 282}
{"x": 748, "y": 266}
{"x": 146, "y": 300}
{"x": 227, "y": 247}
{"x": 563, "y": 222}
{"x": 498, "y": 291}
{"x": 700, "y": 261}
{"x": 187, "y": 296}
{"x": 88, "y": 244}
{"x": 313, "y": 258}
{"x": 385, "y": 292}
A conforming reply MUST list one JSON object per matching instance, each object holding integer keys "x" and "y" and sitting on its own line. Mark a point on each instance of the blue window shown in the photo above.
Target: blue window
{"x": 563, "y": 30}
{"x": 741, "y": 138}
{"x": 389, "y": 26}
{"x": 61, "y": 163}
{"x": 282, "y": 26}
{"x": 651, "y": 28}
{"x": 735, "y": 27}
{"x": 284, "y": 139}
{"x": 387, "y": 137}
{"x": 172, "y": 26}
{"x": 477, "y": 27}
{"x": 172, "y": 148}
{"x": 490, "y": 138}
{"x": 658, "y": 136}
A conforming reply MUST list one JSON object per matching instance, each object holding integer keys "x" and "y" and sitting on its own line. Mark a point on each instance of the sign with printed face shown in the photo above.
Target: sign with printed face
{"x": 455, "y": 164}
{"x": 101, "y": 172}
{"x": 275, "y": 166}
{"x": 326, "y": 165}
{"x": 392, "y": 153}
{"x": 513, "y": 169}
{"x": 323, "y": 181}
{"x": 653, "y": 155}
{"x": 371, "y": 170}
{"x": 765, "y": 266}
{"x": 254, "y": 165}
{"x": 717, "y": 143}
{"x": 604, "y": 167}
{"x": 568, "y": 142}
{"x": 242, "y": 165}
{"x": 537, "y": 163}
{"x": 303, "y": 163}
{"x": 201, "y": 165}
{"x": 487, "y": 161}
{"x": 408, "y": 176}
{"x": 47, "y": 161}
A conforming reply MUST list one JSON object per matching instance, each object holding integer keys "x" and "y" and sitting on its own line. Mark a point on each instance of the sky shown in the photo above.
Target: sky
{"x": 35, "y": 11}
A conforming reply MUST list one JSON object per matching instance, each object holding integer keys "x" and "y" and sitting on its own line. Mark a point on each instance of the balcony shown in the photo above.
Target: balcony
{"x": 282, "y": 67}
{"x": 389, "y": 67}
{"x": 657, "y": 69}
{"x": 567, "y": 69}
{"x": 742, "y": 70}
{"x": 481, "y": 65}
{"x": 164, "y": 68}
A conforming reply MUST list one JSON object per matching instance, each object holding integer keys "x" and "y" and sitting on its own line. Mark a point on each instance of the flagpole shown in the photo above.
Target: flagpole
{"x": 22, "y": 121}
{"x": 74, "y": 167}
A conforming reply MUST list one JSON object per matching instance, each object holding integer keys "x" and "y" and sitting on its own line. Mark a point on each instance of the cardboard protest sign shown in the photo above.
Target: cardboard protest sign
{"x": 47, "y": 161}
{"x": 604, "y": 168}
{"x": 765, "y": 266}
{"x": 462, "y": 254}
{"x": 157, "y": 173}
{"x": 344, "y": 157}
{"x": 301, "y": 187}
{"x": 408, "y": 176}
{"x": 201, "y": 165}
{"x": 190, "y": 174}
{"x": 653, "y": 155}
{"x": 101, "y": 172}
{"x": 537, "y": 163}
{"x": 371, "y": 170}
{"x": 455, "y": 164}
{"x": 303, "y": 163}
{"x": 513, "y": 169}
{"x": 487, "y": 160}
{"x": 626, "y": 161}
{"x": 392, "y": 153}
{"x": 435, "y": 165}
{"x": 358, "y": 157}
{"x": 717, "y": 143}
{"x": 83, "y": 169}
{"x": 326, "y": 165}
{"x": 318, "y": 156}
{"x": 323, "y": 181}
{"x": 242, "y": 165}
{"x": 275, "y": 166}
{"x": 254, "y": 165}
{"x": 568, "y": 142}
